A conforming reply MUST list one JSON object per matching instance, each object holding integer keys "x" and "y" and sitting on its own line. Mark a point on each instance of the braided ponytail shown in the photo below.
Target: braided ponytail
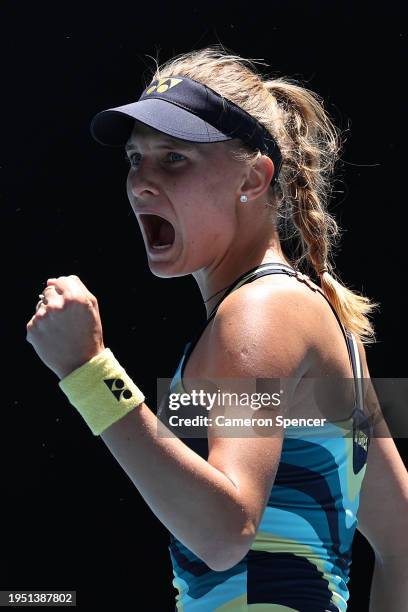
{"x": 311, "y": 151}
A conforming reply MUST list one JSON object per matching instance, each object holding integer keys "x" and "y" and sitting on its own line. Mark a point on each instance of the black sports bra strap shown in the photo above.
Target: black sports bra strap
{"x": 253, "y": 274}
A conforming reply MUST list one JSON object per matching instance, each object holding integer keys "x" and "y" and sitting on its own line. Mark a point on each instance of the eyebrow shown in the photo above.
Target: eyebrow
{"x": 167, "y": 144}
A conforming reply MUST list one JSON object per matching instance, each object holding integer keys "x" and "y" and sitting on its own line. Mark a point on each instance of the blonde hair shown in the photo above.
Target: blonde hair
{"x": 310, "y": 145}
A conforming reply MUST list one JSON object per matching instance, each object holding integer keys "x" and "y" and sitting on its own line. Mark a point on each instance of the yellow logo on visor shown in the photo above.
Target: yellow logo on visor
{"x": 163, "y": 85}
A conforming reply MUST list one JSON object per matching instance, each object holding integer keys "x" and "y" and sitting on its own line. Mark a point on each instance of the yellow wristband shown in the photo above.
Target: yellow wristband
{"x": 101, "y": 391}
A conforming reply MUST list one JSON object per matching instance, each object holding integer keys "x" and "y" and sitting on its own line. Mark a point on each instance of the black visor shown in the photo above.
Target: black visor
{"x": 188, "y": 110}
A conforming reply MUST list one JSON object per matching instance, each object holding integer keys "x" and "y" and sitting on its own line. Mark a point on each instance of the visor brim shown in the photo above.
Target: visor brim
{"x": 113, "y": 127}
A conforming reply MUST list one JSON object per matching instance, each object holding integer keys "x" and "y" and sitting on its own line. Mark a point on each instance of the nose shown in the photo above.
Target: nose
{"x": 140, "y": 182}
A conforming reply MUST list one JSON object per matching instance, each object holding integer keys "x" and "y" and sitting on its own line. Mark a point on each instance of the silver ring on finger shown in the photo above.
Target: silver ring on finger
{"x": 39, "y": 304}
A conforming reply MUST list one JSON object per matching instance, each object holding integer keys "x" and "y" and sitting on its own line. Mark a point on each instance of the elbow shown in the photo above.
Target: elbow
{"x": 222, "y": 564}
{"x": 228, "y": 554}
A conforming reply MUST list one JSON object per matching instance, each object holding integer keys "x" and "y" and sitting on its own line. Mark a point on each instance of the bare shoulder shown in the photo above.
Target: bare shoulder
{"x": 262, "y": 323}
{"x": 285, "y": 327}
{"x": 383, "y": 510}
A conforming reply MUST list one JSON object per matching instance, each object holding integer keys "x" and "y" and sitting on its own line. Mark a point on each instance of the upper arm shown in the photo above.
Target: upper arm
{"x": 251, "y": 338}
{"x": 383, "y": 510}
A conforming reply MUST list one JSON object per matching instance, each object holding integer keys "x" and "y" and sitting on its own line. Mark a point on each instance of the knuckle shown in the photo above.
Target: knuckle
{"x": 74, "y": 301}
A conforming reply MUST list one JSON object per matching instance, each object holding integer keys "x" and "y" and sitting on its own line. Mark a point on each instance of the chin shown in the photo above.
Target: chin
{"x": 168, "y": 268}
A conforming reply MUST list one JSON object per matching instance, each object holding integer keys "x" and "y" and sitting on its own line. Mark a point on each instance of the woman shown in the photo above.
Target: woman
{"x": 225, "y": 164}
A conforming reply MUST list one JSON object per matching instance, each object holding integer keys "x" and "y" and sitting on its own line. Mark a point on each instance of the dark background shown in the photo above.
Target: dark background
{"x": 71, "y": 517}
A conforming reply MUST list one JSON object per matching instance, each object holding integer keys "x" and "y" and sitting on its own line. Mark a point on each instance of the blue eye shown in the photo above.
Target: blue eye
{"x": 134, "y": 158}
{"x": 179, "y": 154}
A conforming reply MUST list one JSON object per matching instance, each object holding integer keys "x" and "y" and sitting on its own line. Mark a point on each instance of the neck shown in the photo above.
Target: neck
{"x": 255, "y": 242}
{"x": 216, "y": 282}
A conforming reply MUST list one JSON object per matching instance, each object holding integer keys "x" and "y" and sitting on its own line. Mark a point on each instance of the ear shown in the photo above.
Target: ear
{"x": 258, "y": 178}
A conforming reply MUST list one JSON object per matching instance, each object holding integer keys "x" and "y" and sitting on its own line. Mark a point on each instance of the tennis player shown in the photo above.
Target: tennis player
{"x": 230, "y": 178}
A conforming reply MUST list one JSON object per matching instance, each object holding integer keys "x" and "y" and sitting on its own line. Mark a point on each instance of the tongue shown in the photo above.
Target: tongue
{"x": 165, "y": 235}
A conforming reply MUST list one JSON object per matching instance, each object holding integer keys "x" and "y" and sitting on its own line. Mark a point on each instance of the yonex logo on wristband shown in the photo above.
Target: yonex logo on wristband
{"x": 118, "y": 390}
{"x": 86, "y": 391}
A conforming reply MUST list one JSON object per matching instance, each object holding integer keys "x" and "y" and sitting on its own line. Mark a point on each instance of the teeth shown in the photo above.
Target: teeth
{"x": 161, "y": 246}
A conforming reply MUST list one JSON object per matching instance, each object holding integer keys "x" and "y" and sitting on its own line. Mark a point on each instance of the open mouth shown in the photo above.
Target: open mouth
{"x": 159, "y": 232}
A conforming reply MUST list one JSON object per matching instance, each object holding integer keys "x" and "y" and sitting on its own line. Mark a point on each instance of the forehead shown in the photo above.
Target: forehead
{"x": 144, "y": 134}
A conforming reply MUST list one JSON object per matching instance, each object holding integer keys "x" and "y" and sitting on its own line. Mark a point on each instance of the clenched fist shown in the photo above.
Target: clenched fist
{"x": 66, "y": 330}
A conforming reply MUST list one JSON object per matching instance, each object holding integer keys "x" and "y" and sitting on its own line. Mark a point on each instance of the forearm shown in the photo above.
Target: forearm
{"x": 197, "y": 503}
{"x": 389, "y": 586}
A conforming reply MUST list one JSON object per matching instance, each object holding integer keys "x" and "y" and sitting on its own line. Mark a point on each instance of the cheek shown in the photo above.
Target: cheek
{"x": 208, "y": 228}
{"x": 208, "y": 207}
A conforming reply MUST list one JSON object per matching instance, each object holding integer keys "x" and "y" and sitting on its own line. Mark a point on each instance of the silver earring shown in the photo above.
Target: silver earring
{"x": 244, "y": 198}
